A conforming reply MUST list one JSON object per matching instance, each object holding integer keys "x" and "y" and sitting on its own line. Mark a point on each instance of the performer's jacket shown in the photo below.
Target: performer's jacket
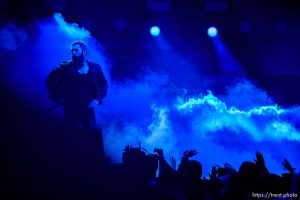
{"x": 65, "y": 83}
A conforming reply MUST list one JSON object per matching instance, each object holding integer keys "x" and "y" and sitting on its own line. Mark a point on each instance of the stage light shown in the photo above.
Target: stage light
{"x": 212, "y": 31}
{"x": 154, "y": 30}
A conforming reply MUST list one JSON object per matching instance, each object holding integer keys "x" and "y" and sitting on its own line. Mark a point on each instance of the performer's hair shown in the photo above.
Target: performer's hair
{"x": 81, "y": 43}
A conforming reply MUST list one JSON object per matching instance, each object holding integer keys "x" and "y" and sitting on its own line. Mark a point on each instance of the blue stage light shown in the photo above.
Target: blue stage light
{"x": 212, "y": 31}
{"x": 154, "y": 30}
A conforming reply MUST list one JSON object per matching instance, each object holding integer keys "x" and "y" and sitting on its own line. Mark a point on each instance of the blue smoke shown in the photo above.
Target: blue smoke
{"x": 261, "y": 123}
{"x": 154, "y": 110}
{"x": 73, "y": 31}
{"x": 11, "y": 37}
{"x": 221, "y": 133}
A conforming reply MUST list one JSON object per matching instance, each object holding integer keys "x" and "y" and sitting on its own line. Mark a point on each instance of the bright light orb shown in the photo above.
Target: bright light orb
{"x": 212, "y": 31}
{"x": 155, "y": 31}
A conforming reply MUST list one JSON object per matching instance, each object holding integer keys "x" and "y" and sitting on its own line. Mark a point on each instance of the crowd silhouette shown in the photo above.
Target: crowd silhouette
{"x": 186, "y": 182}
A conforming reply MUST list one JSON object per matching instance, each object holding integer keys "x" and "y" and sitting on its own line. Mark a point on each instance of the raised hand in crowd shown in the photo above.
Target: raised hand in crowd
{"x": 189, "y": 153}
{"x": 185, "y": 158}
{"x": 213, "y": 174}
{"x": 159, "y": 152}
{"x": 166, "y": 174}
{"x": 260, "y": 163}
{"x": 259, "y": 159}
{"x": 229, "y": 167}
{"x": 173, "y": 162}
{"x": 127, "y": 148}
{"x": 288, "y": 166}
{"x": 226, "y": 170}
